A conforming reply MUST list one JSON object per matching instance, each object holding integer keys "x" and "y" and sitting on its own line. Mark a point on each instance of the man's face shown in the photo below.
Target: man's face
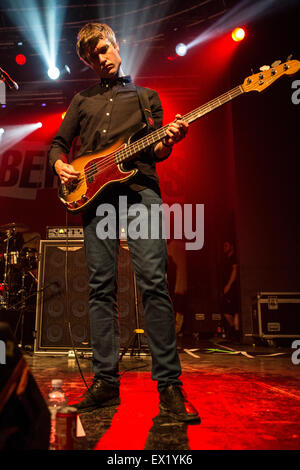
{"x": 105, "y": 59}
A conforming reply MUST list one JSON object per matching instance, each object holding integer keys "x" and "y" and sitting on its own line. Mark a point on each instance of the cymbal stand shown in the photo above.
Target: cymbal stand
{"x": 6, "y": 268}
{"x": 22, "y": 308}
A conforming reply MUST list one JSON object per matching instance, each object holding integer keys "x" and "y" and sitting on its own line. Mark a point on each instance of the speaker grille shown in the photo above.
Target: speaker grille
{"x": 55, "y": 309}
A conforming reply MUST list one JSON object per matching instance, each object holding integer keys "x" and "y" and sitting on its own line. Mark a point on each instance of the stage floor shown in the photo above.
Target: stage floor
{"x": 248, "y": 398}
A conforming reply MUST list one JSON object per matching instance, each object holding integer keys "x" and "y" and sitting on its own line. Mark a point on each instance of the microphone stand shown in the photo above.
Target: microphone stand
{"x": 4, "y": 76}
{"x": 7, "y": 271}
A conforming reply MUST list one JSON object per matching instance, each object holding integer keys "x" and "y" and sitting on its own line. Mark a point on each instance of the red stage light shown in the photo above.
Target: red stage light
{"x": 20, "y": 59}
{"x": 238, "y": 34}
{"x": 63, "y": 115}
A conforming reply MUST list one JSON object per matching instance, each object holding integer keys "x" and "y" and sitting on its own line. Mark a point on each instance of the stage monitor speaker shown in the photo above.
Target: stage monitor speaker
{"x": 55, "y": 310}
{"x": 24, "y": 415}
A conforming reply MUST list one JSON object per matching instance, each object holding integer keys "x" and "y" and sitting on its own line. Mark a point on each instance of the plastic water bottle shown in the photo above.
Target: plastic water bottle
{"x": 56, "y": 399}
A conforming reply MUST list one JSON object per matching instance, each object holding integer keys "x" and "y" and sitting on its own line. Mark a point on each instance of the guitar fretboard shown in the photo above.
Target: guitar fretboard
{"x": 134, "y": 148}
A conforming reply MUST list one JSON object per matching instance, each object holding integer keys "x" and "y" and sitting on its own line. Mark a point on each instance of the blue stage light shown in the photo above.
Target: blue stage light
{"x": 41, "y": 23}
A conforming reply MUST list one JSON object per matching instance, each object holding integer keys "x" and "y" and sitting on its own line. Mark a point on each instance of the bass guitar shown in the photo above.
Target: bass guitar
{"x": 100, "y": 169}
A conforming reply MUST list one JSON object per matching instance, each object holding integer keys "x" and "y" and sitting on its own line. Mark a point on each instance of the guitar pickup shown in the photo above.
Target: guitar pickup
{"x": 91, "y": 171}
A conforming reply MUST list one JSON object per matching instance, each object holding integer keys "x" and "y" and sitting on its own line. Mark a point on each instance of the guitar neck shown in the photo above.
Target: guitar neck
{"x": 133, "y": 149}
{"x": 213, "y": 104}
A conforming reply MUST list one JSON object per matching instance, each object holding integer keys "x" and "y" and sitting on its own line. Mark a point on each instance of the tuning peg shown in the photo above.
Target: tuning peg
{"x": 289, "y": 57}
{"x": 264, "y": 68}
{"x": 277, "y": 62}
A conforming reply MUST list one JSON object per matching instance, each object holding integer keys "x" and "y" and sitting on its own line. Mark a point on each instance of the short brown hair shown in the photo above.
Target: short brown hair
{"x": 89, "y": 36}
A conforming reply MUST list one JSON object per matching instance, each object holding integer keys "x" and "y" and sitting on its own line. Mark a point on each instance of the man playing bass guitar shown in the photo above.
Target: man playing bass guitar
{"x": 100, "y": 115}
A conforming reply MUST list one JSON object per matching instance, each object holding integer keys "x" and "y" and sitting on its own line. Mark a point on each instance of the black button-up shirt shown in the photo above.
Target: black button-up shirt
{"x": 102, "y": 114}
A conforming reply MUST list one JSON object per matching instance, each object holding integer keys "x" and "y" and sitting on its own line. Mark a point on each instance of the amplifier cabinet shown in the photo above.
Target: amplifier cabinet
{"x": 63, "y": 233}
{"x": 206, "y": 322}
{"x": 61, "y": 260}
{"x": 276, "y": 315}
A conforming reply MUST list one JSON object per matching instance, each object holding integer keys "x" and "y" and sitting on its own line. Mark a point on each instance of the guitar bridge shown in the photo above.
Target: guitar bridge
{"x": 66, "y": 189}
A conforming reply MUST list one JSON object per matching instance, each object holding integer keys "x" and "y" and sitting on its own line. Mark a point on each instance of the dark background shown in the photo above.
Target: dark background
{"x": 266, "y": 147}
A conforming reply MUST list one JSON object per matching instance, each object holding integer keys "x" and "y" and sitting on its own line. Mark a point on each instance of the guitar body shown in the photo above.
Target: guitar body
{"x": 98, "y": 171}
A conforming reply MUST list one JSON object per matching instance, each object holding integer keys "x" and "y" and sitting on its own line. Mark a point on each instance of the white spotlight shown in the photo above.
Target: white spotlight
{"x": 181, "y": 49}
{"x": 14, "y": 134}
{"x": 1, "y": 130}
{"x": 53, "y": 73}
{"x": 39, "y": 124}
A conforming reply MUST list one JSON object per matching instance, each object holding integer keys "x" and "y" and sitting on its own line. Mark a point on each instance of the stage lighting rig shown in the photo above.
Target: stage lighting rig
{"x": 181, "y": 49}
{"x": 20, "y": 59}
{"x": 53, "y": 73}
{"x": 238, "y": 34}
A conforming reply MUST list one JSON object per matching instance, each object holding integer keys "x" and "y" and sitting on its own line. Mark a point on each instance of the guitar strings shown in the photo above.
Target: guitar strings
{"x": 111, "y": 160}
{"x": 133, "y": 148}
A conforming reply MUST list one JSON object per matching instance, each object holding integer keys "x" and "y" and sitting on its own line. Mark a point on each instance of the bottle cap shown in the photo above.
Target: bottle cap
{"x": 56, "y": 382}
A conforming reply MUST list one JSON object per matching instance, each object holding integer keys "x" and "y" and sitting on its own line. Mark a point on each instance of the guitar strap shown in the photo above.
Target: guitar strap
{"x": 145, "y": 105}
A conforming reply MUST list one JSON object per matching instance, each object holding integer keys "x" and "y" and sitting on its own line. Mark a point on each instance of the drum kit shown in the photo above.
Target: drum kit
{"x": 18, "y": 266}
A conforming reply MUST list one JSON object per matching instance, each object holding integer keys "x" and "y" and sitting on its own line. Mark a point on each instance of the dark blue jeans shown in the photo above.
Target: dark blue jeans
{"x": 150, "y": 260}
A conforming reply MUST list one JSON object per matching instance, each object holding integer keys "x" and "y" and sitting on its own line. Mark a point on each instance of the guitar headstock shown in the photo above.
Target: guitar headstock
{"x": 268, "y": 75}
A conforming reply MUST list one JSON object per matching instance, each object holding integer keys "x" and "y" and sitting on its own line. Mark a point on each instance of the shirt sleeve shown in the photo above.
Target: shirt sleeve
{"x": 234, "y": 260}
{"x": 156, "y": 109}
{"x": 157, "y": 114}
{"x": 69, "y": 129}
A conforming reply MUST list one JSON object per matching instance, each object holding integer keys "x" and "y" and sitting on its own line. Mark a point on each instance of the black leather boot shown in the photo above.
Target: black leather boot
{"x": 173, "y": 401}
{"x": 99, "y": 395}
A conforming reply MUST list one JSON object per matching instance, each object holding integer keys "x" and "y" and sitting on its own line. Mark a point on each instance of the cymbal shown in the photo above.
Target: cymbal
{"x": 13, "y": 226}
